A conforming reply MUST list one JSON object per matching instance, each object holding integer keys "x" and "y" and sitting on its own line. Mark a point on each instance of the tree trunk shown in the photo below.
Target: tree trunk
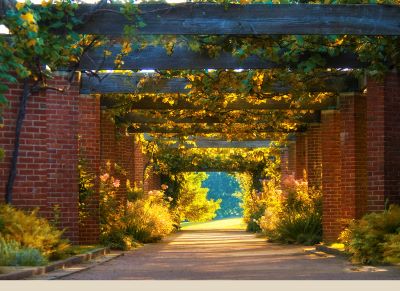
{"x": 18, "y": 127}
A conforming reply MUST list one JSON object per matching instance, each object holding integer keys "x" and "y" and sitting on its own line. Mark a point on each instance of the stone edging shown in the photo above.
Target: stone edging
{"x": 56, "y": 265}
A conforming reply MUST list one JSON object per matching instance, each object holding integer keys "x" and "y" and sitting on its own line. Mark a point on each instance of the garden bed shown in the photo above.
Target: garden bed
{"x": 21, "y": 272}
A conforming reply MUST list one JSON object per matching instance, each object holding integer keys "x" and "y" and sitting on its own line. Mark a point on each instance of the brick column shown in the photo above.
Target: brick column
{"x": 383, "y": 141}
{"x": 353, "y": 148}
{"x": 314, "y": 155}
{"x": 152, "y": 181}
{"x": 301, "y": 156}
{"x": 118, "y": 150}
{"x": 285, "y": 163}
{"x": 139, "y": 165}
{"x": 292, "y": 158}
{"x": 331, "y": 174}
{"x": 47, "y": 165}
{"x": 89, "y": 153}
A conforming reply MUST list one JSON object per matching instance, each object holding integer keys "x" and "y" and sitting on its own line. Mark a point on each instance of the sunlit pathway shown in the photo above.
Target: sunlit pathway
{"x": 228, "y": 254}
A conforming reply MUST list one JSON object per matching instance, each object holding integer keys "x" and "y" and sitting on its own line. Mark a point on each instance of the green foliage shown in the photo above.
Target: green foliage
{"x": 12, "y": 254}
{"x": 224, "y": 186}
{"x": 253, "y": 206}
{"x": 30, "y": 231}
{"x": 86, "y": 190}
{"x": 374, "y": 238}
{"x": 293, "y": 214}
{"x": 192, "y": 203}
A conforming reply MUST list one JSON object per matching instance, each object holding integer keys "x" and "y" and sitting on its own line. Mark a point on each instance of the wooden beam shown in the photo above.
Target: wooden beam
{"x": 202, "y": 142}
{"x": 137, "y": 117}
{"x": 120, "y": 83}
{"x": 253, "y": 19}
{"x": 195, "y": 129}
{"x": 148, "y": 103}
{"x": 183, "y": 58}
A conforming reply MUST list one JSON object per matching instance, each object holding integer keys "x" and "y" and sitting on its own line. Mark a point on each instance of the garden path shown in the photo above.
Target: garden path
{"x": 228, "y": 254}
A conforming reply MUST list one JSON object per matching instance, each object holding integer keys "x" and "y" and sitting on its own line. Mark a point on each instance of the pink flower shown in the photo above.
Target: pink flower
{"x": 104, "y": 177}
{"x": 116, "y": 183}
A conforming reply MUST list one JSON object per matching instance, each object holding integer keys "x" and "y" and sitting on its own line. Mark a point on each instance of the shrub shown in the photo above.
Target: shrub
{"x": 374, "y": 238}
{"x": 12, "y": 254}
{"x": 148, "y": 219}
{"x": 30, "y": 231}
{"x": 293, "y": 214}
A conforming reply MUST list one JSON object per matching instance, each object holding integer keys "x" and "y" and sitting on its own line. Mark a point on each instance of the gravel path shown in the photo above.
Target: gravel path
{"x": 228, "y": 255}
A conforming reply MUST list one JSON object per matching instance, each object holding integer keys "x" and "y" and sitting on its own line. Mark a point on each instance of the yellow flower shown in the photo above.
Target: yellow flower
{"x": 34, "y": 27}
{"x": 31, "y": 42}
{"x": 19, "y": 5}
{"x": 46, "y": 3}
{"x": 28, "y": 17}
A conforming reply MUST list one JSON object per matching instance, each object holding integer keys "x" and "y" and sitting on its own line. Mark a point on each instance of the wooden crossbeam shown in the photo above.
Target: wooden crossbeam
{"x": 148, "y": 103}
{"x": 183, "y": 58}
{"x": 137, "y": 117}
{"x": 122, "y": 83}
{"x": 202, "y": 142}
{"x": 195, "y": 129}
{"x": 232, "y": 19}
{"x": 254, "y": 19}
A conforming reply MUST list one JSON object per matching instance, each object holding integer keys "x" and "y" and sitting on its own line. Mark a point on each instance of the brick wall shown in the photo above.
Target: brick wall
{"x": 383, "y": 141}
{"x": 47, "y": 166}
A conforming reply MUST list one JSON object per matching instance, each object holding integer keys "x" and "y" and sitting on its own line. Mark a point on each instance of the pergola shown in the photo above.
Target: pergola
{"x": 101, "y": 77}
{"x": 224, "y": 20}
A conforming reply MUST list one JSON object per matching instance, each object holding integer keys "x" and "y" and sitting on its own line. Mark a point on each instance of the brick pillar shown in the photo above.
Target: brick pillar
{"x": 331, "y": 174}
{"x": 314, "y": 155}
{"x": 47, "y": 165}
{"x": 383, "y": 141}
{"x": 353, "y": 148}
{"x": 30, "y": 186}
{"x": 301, "y": 156}
{"x": 63, "y": 181}
{"x": 89, "y": 153}
{"x": 292, "y": 158}
{"x": 139, "y": 165}
{"x": 152, "y": 181}
{"x": 116, "y": 149}
{"x": 284, "y": 164}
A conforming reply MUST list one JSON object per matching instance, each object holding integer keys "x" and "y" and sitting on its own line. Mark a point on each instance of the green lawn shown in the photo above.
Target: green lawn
{"x": 228, "y": 223}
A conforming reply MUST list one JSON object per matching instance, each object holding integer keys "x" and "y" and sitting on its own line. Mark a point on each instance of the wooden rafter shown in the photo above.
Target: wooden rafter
{"x": 137, "y": 117}
{"x": 182, "y": 58}
{"x": 252, "y": 19}
{"x": 123, "y": 83}
{"x": 255, "y": 19}
{"x": 203, "y": 142}
{"x": 196, "y": 128}
{"x": 148, "y": 103}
